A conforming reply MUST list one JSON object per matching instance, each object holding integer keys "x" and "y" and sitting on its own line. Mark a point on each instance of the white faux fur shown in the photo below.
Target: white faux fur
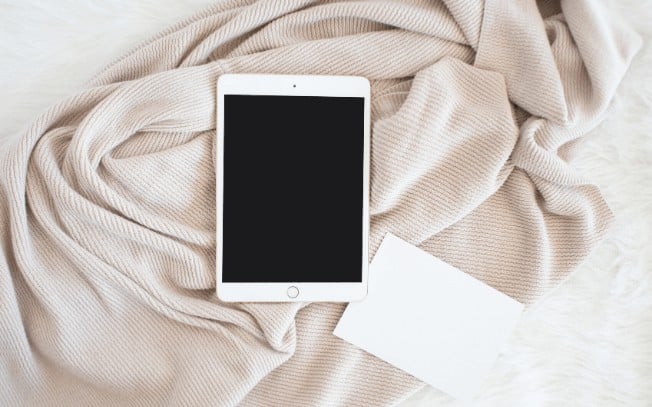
{"x": 589, "y": 343}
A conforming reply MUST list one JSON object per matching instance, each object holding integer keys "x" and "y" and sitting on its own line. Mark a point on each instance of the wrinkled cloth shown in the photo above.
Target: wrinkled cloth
{"x": 107, "y": 201}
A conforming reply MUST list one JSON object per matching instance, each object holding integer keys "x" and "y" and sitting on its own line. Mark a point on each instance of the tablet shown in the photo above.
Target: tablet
{"x": 292, "y": 187}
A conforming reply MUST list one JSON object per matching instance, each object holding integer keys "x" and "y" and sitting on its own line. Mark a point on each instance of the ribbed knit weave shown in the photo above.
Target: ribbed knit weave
{"x": 107, "y": 202}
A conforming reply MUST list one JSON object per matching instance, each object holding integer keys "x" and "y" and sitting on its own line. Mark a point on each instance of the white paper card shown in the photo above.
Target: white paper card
{"x": 430, "y": 319}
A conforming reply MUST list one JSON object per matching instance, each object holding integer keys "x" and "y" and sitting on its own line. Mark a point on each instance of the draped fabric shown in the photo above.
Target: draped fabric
{"x": 107, "y": 201}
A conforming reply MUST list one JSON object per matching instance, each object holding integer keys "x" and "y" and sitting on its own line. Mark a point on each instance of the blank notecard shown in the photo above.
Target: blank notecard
{"x": 430, "y": 319}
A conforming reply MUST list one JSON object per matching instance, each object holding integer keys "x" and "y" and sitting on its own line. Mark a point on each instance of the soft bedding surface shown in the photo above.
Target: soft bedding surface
{"x": 62, "y": 316}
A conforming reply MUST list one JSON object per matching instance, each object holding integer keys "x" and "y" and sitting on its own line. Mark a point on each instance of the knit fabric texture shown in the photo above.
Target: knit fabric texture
{"x": 107, "y": 201}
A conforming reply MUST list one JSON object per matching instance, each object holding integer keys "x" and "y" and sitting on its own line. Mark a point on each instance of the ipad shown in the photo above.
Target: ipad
{"x": 292, "y": 187}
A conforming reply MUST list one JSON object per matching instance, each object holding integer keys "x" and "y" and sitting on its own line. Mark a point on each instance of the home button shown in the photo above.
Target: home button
{"x": 293, "y": 291}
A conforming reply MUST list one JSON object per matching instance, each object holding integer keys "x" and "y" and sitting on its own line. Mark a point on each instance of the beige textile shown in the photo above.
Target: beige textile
{"x": 107, "y": 202}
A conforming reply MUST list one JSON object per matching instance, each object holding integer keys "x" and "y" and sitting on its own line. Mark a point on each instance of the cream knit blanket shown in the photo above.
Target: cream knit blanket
{"x": 107, "y": 202}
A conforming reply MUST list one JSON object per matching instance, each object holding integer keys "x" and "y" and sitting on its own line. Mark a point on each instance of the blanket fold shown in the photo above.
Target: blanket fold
{"x": 107, "y": 202}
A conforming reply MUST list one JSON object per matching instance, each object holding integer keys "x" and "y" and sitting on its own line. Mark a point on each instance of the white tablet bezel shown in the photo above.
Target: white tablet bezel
{"x": 293, "y": 85}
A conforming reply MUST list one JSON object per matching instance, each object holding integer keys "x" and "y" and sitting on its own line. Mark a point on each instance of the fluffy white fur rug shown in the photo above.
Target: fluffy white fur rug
{"x": 589, "y": 343}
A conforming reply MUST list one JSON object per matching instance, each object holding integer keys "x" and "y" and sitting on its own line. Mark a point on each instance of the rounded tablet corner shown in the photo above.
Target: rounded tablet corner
{"x": 361, "y": 296}
{"x": 223, "y": 77}
{"x": 362, "y": 84}
{"x": 222, "y": 297}
{"x": 366, "y": 81}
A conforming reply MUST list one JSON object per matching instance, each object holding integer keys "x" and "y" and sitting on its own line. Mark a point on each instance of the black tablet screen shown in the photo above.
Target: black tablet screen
{"x": 293, "y": 189}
